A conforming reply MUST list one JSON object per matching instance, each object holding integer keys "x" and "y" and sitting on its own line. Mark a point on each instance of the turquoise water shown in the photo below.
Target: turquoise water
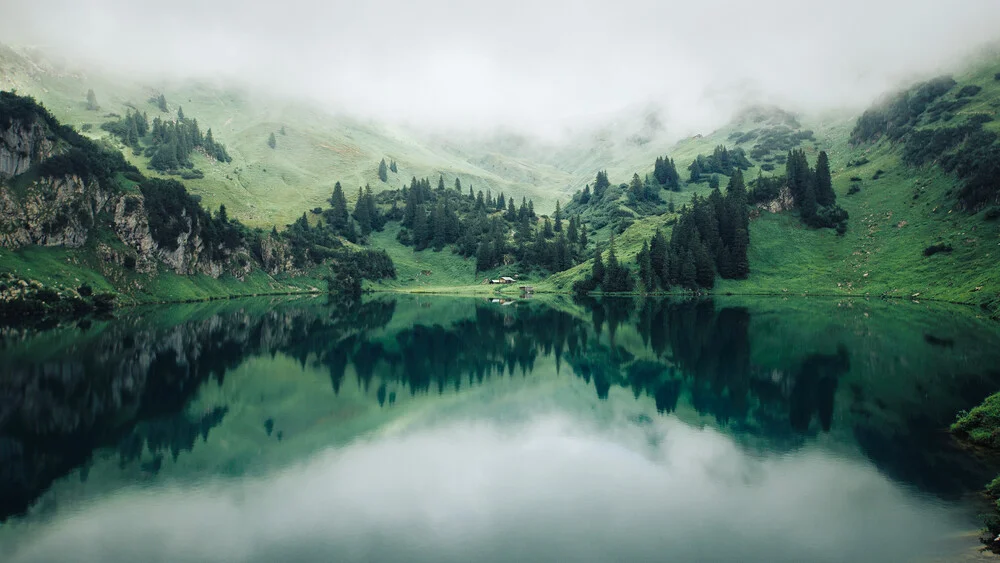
{"x": 446, "y": 429}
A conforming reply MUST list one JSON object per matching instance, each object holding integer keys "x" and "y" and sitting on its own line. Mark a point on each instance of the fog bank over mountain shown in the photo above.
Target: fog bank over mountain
{"x": 534, "y": 67}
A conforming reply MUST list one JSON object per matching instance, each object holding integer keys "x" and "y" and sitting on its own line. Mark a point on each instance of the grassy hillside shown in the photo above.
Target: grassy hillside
{"x": 896, "y": 215}
{"x": 265, "y": 186}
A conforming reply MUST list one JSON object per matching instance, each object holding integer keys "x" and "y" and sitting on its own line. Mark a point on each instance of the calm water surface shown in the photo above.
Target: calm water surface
{"x": 439, "y": 429}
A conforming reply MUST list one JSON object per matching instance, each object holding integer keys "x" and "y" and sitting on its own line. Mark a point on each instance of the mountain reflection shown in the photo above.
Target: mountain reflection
{"x": 125, "y": 383}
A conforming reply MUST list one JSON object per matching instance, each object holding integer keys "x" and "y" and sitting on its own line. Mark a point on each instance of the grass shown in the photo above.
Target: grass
{"x": 981, "y": 425}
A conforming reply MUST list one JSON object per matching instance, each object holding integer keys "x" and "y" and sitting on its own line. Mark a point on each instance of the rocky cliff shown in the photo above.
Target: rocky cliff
{"x": 38, "y": 207}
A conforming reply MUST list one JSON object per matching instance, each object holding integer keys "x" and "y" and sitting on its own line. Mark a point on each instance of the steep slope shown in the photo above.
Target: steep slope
{"x": 264, "y": 186}
{"x": 75, "y": 216}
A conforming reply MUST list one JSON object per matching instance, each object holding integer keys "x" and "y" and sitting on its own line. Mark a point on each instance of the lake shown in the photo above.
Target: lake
{"x": 412, "y": 428}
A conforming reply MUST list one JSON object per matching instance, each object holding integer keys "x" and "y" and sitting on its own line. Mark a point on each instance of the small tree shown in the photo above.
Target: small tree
{"x": 383, "y": 171}
{"x": 282, "y": 130}
{"x": 271, "y": 141}
{"x": 92, "y": 104}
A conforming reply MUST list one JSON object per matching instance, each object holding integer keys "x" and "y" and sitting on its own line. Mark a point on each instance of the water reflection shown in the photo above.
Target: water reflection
{"x": 852, "y": 394}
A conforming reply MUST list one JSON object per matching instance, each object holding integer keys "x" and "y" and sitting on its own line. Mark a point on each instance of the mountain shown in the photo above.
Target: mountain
{"x": 921, "y": 213}
{"x": 314, "y": 148}
{"x": 918, "y": 227}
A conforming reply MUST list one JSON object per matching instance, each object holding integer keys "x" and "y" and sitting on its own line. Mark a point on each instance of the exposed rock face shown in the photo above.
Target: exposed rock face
{"x": 780, "y": 204}
{"x": 276, "y": 256}
{"x": 50, "y": 212}
{"x": 21, "y": 145}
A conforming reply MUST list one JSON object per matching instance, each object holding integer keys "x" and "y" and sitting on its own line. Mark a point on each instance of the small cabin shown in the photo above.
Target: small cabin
{"x": 506, "y": 279}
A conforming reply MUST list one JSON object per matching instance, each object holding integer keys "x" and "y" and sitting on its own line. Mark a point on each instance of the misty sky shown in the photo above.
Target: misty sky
{"x": 523, "y": 63}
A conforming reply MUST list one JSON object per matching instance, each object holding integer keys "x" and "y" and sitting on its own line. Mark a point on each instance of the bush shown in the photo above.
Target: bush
{"x": 935, "y": 248}
{"x": 854, "y": 189}
{"x": 85, "y": 290}
{"x": 878, "y": 174}
{"x": 969, "y": 91}
{"x": 767, "y": 167}
{"x": 992, "y": 213}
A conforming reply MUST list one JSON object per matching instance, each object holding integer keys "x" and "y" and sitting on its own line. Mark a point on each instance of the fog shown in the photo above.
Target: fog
{"x": 551, "y": 488}
{"x": 528, "y": 65}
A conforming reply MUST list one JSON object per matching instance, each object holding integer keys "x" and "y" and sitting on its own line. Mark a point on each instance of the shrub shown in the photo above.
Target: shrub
{"x": 935, "y": 248}
{"x": 878, "y": 174}
{"x": 855, "y": 178}
{"x": 968, "y": 91}
{"x": 853, "y": 189}
{"x": 85, "y": 290}
{"x": 992, "y": 213}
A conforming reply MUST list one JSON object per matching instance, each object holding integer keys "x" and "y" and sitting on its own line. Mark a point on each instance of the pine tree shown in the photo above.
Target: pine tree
{"x": 658, "y": 258}
{"x": 646, "y": 276}
{"x": 635, "y": 189}
{"x": 393, "y": 168}
{"x": 557, "y": 218}
{"x": 601, "y": 183}
{"x": 597, "y": 270}
{"x": 161, "y": 102}
{"x": 572, "y": 233}
{"x": 362, "y": 214}
{"x": 180, "y": 113}
{"x": 271, "y": 141}
{"x": 383, "y": 171}
{"x": 92, "y": 104}
{"x": 282, "y": 131}
{"x": 338, "y": 215}
{"x": 583, "y": 236}
{"x": 824, "y": 184}
{"x": 441, "y": 183}
{"x": 458, "y": 185}
{"x": 421, "y": 229}
{"x": 439, "y": 226}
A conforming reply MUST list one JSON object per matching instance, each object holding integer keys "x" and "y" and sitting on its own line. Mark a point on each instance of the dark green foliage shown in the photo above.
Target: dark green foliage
{"x": 778, "y": 139}
{"x": 825, "y": 195}
{"x": 935, "y": 248}
{"x": 84, "y": 158}
{"x": 383, "y": 171}
{"x": 969, "y": 91}
{"x": 272, "y": 141}
{"x": 992, "y": 213}
{"x": 765, "y": 188}
{"x": 172, "y": 211}
{"x": 855, "y": 188}
{"x": 392, "y": 166}
{"x": 665, "y": 173}
{"x": 897, "y": 116}
{"x": 160, "y": 102}
{"x": 812, "y": 192}
{"x": 169, "y": 144}
{"x": 722, "y": 161}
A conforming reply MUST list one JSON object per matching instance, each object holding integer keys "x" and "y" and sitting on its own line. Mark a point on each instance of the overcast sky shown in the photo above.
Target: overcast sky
{"x": 532, "y": 64}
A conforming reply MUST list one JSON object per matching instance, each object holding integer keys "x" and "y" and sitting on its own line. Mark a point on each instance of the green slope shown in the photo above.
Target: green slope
{"x": 264, "y": 186}
{"x": 892, "y": 220}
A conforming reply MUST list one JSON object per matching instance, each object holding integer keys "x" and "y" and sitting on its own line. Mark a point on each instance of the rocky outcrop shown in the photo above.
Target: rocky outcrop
{"x": 71, "y": 209}
{"x": 276, "y": 255}
{"x": 21, "y": 145}
{"x": 50, "y": 212}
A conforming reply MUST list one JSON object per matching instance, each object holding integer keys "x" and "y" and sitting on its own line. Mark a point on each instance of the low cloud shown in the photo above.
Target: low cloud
{"x": 531, "y": 66}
